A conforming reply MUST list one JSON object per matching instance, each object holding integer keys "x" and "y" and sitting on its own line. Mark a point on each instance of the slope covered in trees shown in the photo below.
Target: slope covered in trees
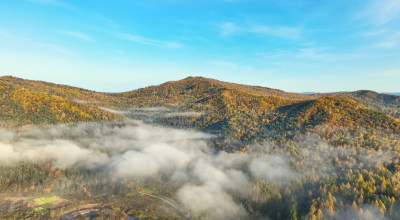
{"x": 275, "y": 155}
{"x": 193, "y": 88}
{"x": 31, "y": 102}
{"x": 335, "y": 111}
{"x": 389, "y": 104}
{"x": 247, "y": 112}
{"x": 239, "y": 111}
{"x": 64, "y": 91}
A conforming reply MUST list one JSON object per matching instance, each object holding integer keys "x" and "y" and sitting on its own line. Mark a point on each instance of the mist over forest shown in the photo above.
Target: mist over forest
{"x": 193, "y": 177}
{"x": 199, "y": 110}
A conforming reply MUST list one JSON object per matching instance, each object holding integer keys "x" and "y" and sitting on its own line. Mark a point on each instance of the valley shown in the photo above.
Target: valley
{"x": 197, "y": 148}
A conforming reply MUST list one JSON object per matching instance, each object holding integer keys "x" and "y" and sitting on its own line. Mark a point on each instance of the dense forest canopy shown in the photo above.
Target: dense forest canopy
{"x": 197, "y": 148}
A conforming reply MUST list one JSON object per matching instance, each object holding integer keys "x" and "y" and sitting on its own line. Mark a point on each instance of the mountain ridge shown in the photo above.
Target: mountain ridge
{"x": 239, "y": 111}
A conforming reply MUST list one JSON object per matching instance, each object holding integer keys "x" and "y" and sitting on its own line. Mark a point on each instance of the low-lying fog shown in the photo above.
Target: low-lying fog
{"x": 138, "y": 150}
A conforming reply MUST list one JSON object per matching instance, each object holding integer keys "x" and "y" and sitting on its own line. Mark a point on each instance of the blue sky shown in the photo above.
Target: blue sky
{"x": 120, "y": 45}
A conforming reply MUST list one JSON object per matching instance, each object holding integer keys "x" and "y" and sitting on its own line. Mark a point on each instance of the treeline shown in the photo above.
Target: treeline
{"x": 340, "y": 170}
{"x": 23, "y": 106}
{"x": 333, "y": 170}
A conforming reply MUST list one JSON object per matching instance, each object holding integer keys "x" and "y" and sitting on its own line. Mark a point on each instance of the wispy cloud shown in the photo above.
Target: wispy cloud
{"x": 387, "y": 44}
{"x": 5, "y": 33}
{"x": 283, "y": 32}
{"x": 53, "y": 47}
{"x": 391, "y": 41}
{"x": 77, "y": 35}
{"x": 149, "y": 41}
{"x": 390, "y": 73}
{"x": 12, "y": 37}
{"x": 311, "y": 55}
{"x": 57, "y": 3}
{"x": 229, "y": 28}
{"x": 383, "y": 38}
{"x": 380, "y": 12}
{"x": 376, "y": 32}
{"x": 108, "y": 22}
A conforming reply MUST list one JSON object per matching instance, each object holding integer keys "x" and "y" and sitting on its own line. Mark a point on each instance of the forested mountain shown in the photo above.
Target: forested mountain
{"x": 239, "y": 111}
{"x": 244, "y": 112}
{"x": 335, "y": 111}
{"x": 389, "y": 104}
{"x": 27, "y": 102}
{"x": 377, "y": 98}
{"x": 203, "y": 86}
{"x": 64, "y": 91}
{"x": 266, "y": 153}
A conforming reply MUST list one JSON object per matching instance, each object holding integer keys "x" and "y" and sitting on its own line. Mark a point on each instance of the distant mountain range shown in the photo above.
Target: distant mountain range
{"x": 242, "y": 112}
{"x": 389, "y": 93}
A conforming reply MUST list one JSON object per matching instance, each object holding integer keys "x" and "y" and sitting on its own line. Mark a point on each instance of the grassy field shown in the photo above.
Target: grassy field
{"x": 46, "y": 199}
{"x": 45, "y": 202}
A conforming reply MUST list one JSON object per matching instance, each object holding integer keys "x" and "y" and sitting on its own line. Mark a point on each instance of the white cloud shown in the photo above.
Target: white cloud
{"x": 380, "y": 12}
{"x": 271, "y": 167}
{"x": 282, "y": 32}
{"x": 173, "y": 45}
{"x": 205, "y": 178}
{"x": 229, "y": 28}
{"x": 389, "y": 41}
{"x": 366, "y": 212}
{"x": 386, "y": 44}
{"x": 77, "y": 35}
{"x": 53, "y": 47}
{"x": 383, "y": 38}
{"x": 206, "y": 199}
{"x": 149, "y": 41}
{"x": 377, "y": 32}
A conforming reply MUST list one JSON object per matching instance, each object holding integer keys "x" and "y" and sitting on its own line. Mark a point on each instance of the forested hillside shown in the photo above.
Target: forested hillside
{"x": 389, "y": 104}
{"x": 250, "y": 152}
{"x": 64, "y": 91}
{"x": 34, "y": 102}
{"x": 248, "y": 112}
{"x": 233, "y": 110}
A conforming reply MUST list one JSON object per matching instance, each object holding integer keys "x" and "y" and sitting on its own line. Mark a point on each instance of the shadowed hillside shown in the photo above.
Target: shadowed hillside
{"x": 334, "y": 111}
{"x": 270, "y": 154}
{"x": 238, "y": 111}
{"x": 247, "y": 112}
{"x": 389, "y": 104}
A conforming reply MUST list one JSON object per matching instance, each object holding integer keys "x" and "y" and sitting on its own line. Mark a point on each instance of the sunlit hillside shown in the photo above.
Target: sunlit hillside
{"x": 281, "y": 155}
